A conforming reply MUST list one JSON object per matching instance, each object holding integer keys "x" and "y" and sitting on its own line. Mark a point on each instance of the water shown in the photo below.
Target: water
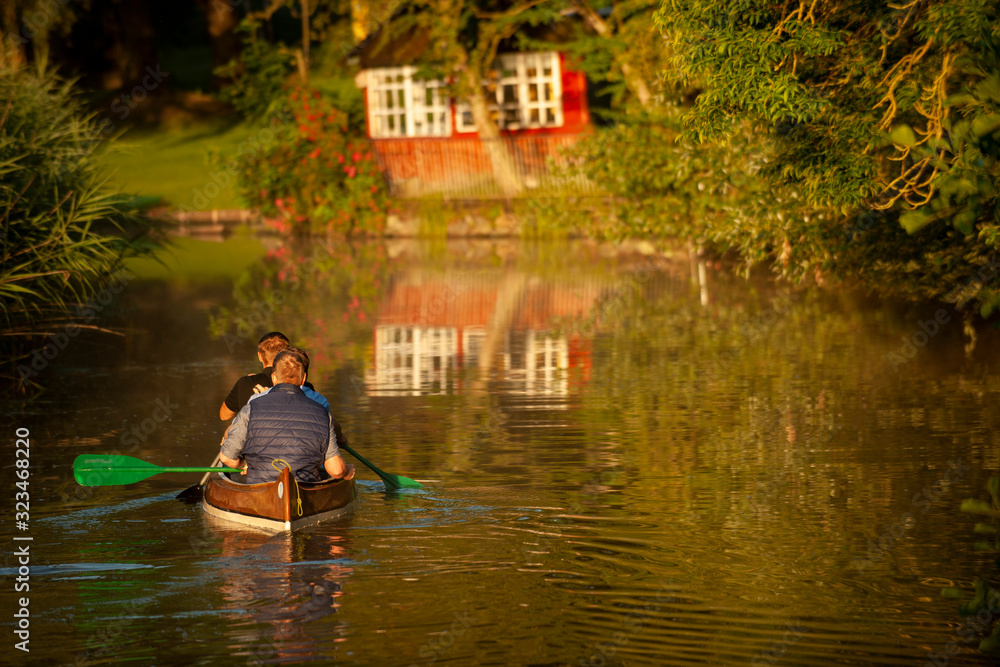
{"x": 627, "y": 461}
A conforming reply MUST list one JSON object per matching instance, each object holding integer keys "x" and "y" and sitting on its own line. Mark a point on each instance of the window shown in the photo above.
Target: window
{"x": 528, "y": 93}
{"x": 400, "y": 106}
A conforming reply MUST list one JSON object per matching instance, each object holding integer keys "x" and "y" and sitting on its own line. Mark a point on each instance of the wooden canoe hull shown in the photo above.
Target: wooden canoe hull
{"x": 274, "y": 505}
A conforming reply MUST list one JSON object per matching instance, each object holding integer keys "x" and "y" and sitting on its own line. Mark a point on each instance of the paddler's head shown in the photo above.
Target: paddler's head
{"x": 289, "y": 367}
{"x": 269, "y": 345}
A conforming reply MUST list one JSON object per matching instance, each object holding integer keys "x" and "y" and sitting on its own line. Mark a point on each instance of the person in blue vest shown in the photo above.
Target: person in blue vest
{"x": 307, "y": 388}
{"x": 285, "y": 424}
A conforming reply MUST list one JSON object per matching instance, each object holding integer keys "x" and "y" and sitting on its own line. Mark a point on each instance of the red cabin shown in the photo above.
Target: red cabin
{"x": 427, "y": 141}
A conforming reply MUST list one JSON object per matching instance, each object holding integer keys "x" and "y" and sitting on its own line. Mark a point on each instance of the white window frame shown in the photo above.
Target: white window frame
{"x": 472, "y": 345}
{"x": 401, "y": 106}
{"x": 413, "y": 358}
{"x": 517, "y": 76}
{"x": 545, "y": 360}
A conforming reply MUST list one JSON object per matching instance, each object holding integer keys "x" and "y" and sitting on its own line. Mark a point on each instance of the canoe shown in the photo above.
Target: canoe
{"x": 275, "y": 505}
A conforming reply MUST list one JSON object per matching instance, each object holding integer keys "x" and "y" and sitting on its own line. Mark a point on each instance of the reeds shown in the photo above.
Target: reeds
{"x": 63, "y": 229}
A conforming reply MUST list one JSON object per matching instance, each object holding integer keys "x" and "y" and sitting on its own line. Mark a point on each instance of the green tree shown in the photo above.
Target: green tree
{"x": 257, "y": 77}
{"x": 269, "y": 56}
{"x": 856, "y": 109}
{"x": 620, "y": 47}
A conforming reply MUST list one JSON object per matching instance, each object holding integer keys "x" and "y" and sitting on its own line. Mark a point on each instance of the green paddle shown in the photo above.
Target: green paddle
{"x": 394, "y": 482}
{"x": 112, "y": 469}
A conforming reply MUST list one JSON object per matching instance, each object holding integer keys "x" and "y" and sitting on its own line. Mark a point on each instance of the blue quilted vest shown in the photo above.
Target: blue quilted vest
{"x": 285, "y": 424}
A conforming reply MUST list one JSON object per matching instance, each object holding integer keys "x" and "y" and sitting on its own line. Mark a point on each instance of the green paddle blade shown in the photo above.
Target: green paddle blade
{"x": 394, "y": 482}
{"x": 113, "y": 469}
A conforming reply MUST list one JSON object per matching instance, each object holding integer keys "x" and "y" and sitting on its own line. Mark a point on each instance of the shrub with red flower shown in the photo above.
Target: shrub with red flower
{"x": 294, "y": 178}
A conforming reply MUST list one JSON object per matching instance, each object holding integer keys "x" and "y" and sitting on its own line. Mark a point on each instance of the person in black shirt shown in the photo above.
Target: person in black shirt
{"x": 267, "y": 347}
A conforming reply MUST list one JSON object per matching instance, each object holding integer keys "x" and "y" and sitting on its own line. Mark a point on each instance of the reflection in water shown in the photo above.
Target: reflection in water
{"x": 626, "y": 471}
{"x": 277, "y": 585}
{"x": 533, "y": 359}
{"x": 431, "y": 329}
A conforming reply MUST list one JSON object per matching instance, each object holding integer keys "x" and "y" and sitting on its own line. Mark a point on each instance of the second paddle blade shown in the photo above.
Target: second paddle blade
{"x": 400, "y": 482}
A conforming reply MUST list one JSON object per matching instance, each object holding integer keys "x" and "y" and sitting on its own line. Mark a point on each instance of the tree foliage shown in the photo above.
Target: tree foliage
{"x": 615, "y": 45}
{"x": 257, "y": 77}
{"x": 876, "y": 131}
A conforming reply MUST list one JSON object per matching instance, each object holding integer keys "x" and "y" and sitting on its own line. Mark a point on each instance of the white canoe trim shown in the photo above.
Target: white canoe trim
{"x": 274, "y": 524}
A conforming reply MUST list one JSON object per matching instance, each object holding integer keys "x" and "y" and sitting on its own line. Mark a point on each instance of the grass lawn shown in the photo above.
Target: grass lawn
{"x": 173, "y": 163}
{"x": 170, "y": 160}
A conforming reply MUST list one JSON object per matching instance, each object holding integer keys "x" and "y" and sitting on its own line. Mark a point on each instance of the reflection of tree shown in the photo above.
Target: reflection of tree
{"x": 759, "y": 410}
{"x": 323, "y": 297}
{"x": 759, "y": 406}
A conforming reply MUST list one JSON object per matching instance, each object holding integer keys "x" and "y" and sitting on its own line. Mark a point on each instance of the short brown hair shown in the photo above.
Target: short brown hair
{"x": 302, "y": 353}
{"x": 289, "y": 367}
{"x": 271, "y": 344}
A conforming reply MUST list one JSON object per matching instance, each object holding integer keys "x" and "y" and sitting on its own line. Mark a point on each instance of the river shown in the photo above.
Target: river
{"x": 627, "y": 459}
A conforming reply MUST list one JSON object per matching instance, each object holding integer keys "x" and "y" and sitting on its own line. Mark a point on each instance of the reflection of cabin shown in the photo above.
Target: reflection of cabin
{"x": 427, "y": 141}
{"x": 427, "y": 332}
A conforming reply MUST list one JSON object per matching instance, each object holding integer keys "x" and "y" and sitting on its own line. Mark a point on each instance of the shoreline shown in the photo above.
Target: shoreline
{"x": 218, "y": 225}
{"x": 474, "y": 219}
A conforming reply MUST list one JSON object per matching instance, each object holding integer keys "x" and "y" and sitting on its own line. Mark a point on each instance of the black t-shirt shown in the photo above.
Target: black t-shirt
{"x": 243, "y": 389}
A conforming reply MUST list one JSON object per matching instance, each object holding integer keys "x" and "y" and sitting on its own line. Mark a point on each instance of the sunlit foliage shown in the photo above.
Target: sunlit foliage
{"x": 878, "y": 132}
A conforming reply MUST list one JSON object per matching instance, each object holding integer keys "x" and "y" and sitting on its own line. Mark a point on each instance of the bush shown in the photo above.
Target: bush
{"x": 679, "y": 190}
{"x": 316, "y": 175}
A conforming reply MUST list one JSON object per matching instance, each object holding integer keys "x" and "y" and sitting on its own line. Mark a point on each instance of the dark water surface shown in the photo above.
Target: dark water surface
{"x": 627, "y": 461}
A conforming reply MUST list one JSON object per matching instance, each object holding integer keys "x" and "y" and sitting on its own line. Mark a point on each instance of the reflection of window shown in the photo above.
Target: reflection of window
{"x": 415, "y": 358}
{"x": 528, "y": 93}
{"x": 536, "y": 359}
{"x": 472, "y": 343}
{"x": 400, "y": 106}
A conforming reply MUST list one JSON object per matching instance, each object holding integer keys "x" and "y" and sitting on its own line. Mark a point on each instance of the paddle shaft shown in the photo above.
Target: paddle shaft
{"x": 203, "y": 469}
{"x": 204, "y": 479}
{"x": 194, "y": 492}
